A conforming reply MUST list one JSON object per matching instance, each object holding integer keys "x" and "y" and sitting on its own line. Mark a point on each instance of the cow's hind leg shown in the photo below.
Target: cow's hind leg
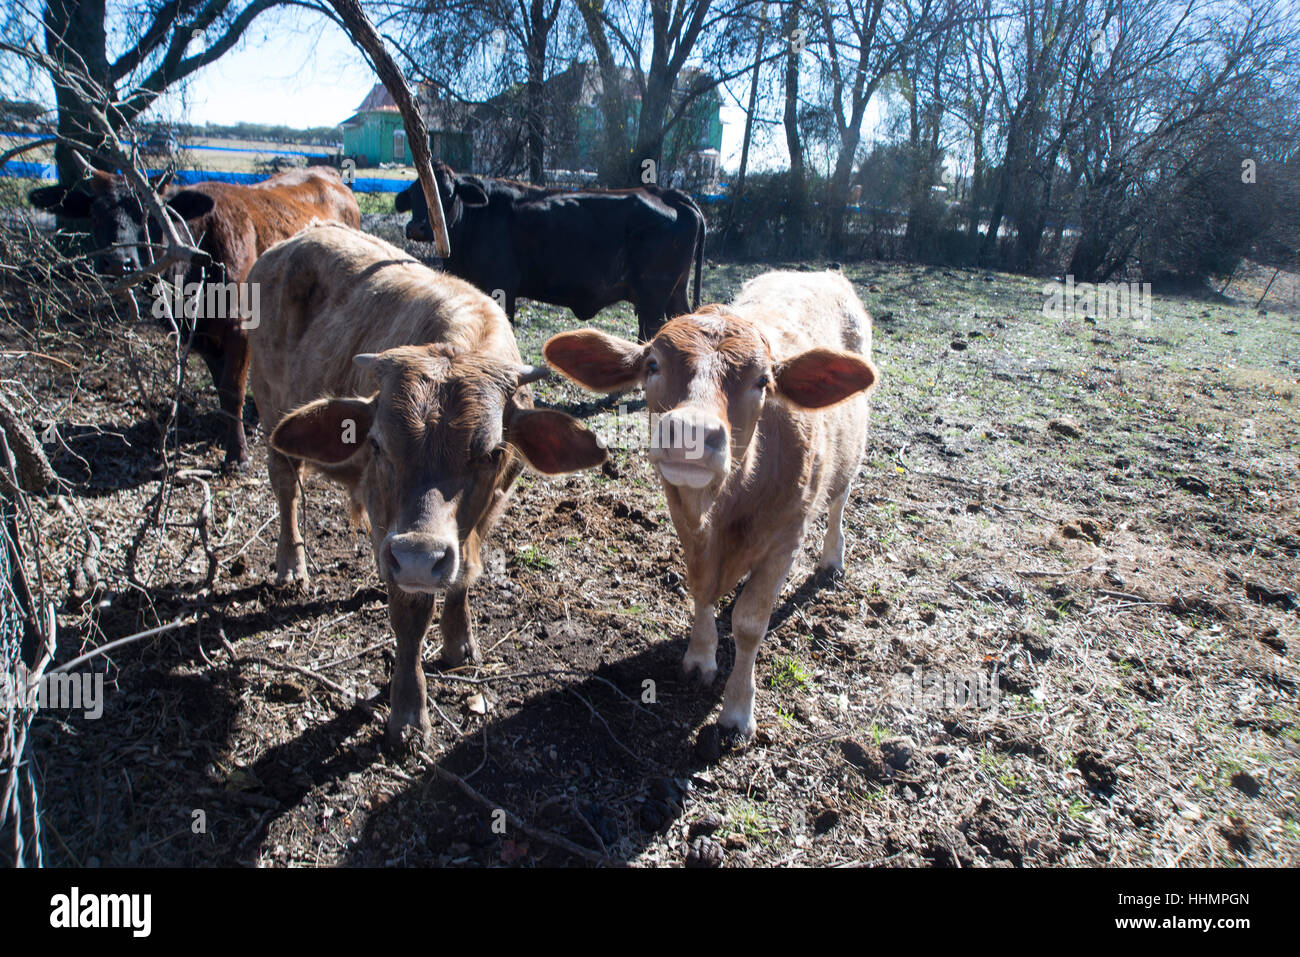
{"x": 290, "y": 554}
{"x": 410, "y": 616}
{"x": 749, "y": 619}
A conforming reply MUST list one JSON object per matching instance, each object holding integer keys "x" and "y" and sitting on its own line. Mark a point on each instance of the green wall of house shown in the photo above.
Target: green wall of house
{"x": 375, "y": 138}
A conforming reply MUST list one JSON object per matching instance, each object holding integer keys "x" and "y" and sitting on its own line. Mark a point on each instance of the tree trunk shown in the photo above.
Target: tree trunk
{"x": 796, "y": 213}
{"x": 973, "y": 212}
{"x": 650, "y": 125}
{"x": 75, "y": 35}
{"x": 534, "y": 93}
{"x": 838, "y": 194}
{"x": 749, "y": 123}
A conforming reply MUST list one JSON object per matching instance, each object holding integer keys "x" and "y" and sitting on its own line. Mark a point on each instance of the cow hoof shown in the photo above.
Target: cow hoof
{"x": 702, "y": 670}
{"x": 453, "y": 656}
{"x": 236, "y": 465}
{"x": 737, "y": 727}
{"x": 405, "y": 738}
{"x": 293, "y": 577}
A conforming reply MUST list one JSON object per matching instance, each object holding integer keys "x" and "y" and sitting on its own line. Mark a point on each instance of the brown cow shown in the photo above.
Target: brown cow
{"x": 234, "y": 224}
{"x": 759, "y": 422}
{"x": 404, "y": 385}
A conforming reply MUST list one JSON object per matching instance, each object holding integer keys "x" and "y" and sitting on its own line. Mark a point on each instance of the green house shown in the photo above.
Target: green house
{"x": 375, "y": 134}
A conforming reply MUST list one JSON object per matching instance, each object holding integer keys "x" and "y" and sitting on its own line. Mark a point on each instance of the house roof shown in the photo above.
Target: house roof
{"x": 378, "y": 99}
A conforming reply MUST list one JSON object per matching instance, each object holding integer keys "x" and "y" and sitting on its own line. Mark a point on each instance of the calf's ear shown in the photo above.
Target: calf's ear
{"x": 61, "y": 200}
{"x": 822, "y": 377}
{"x": 402, "y": 202}
{"x": 553, "y": 442}
{"x": 596, "y": 360}
{"x": 327, "y": 431}
{"x": 191, "y": 204}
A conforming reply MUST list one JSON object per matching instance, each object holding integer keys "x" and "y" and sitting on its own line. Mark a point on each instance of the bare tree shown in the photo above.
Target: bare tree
{"x": 161, "y": 42}
{"x": 858, "y": 44}
{"x": 653, "y": 42}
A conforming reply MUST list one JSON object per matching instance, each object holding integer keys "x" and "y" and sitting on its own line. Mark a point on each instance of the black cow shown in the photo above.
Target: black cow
{"x": 582, "y": 249}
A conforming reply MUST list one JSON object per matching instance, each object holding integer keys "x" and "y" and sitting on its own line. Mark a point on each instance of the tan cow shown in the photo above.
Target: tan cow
{"x": 404, "y": 385}
{"x": 759, "y": 423}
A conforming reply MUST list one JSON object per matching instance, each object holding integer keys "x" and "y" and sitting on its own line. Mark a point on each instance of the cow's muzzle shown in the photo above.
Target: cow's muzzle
{"x": 420, "y": 562}
{"x": 690, "y": 447}
{"x": 419, "y": 232}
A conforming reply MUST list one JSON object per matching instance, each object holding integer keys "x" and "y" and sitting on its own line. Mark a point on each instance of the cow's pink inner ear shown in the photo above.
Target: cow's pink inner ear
{"x": 595, "y": 360}
{"x": 553, "y": 442}
{"x": 328, "y": 431}
{"x": 821, "y": 377}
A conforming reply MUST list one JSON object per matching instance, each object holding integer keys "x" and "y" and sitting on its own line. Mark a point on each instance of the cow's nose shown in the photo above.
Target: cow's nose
{"x": 417, "y": 232}
{"x": 693, "y": 447}
{"x": 421, "y": 562}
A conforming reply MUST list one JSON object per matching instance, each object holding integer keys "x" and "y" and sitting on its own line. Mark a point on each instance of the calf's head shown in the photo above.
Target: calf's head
{"x": 117, "y": 217}
{"x": 456, "y": 192}
{"x": 707, "y": 378}
{"x": 436, "y": 447}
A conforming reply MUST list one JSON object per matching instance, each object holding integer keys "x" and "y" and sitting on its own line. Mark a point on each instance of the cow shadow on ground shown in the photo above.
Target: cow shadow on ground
{"x": 99, "y": 460}
{"x": 582, "y": 758}
{"x": 605, "y": 758}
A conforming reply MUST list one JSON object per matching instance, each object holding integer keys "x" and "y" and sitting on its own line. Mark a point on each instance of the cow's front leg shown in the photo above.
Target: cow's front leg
{"x": 701, "y": 658}
{"x": 458, "y": 646}
{"x": 410, "y": 616}
{"x": 749, "y": 618}
{"x": 231, "y": 391}
{"x": 290, "y": 553}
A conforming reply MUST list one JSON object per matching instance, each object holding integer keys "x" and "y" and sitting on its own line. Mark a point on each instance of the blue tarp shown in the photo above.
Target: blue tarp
{"x": 185, "y": 177}
{"x": 321, "y": 151}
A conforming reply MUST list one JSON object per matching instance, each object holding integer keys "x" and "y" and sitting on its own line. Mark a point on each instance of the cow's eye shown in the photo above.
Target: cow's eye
{"x": 652, "y": 366}
{"x": 375, "y": 446}
{"x": 487, "y": 459}
{"x": 763, "y": 382}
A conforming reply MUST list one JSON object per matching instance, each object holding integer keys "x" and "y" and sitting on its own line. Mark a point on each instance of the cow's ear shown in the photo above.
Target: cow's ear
{"x": 471, "y": 194}
{"x": 159, "y": 181}
{"x": 596, "y": 360}
{"x": 191, "y": 204}
{"x": 62, "y": 200}
{"x": 821, "y": 377}
{"x": 327, "y": 431}
{"x": 402, "y": 202}
{"x": 553, "y": 442}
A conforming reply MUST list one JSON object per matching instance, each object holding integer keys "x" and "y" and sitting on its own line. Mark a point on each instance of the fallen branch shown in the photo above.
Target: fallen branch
{"x": 546, "y": 837}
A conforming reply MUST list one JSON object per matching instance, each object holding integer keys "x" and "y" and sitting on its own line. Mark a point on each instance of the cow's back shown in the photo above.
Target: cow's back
{"x": 331, "y": 292}
{"x": 804, "y": 310}
{"x": 247, "y": 220}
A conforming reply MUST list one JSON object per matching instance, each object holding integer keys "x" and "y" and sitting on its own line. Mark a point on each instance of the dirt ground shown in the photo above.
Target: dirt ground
{"x": 1097, "y": 515}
